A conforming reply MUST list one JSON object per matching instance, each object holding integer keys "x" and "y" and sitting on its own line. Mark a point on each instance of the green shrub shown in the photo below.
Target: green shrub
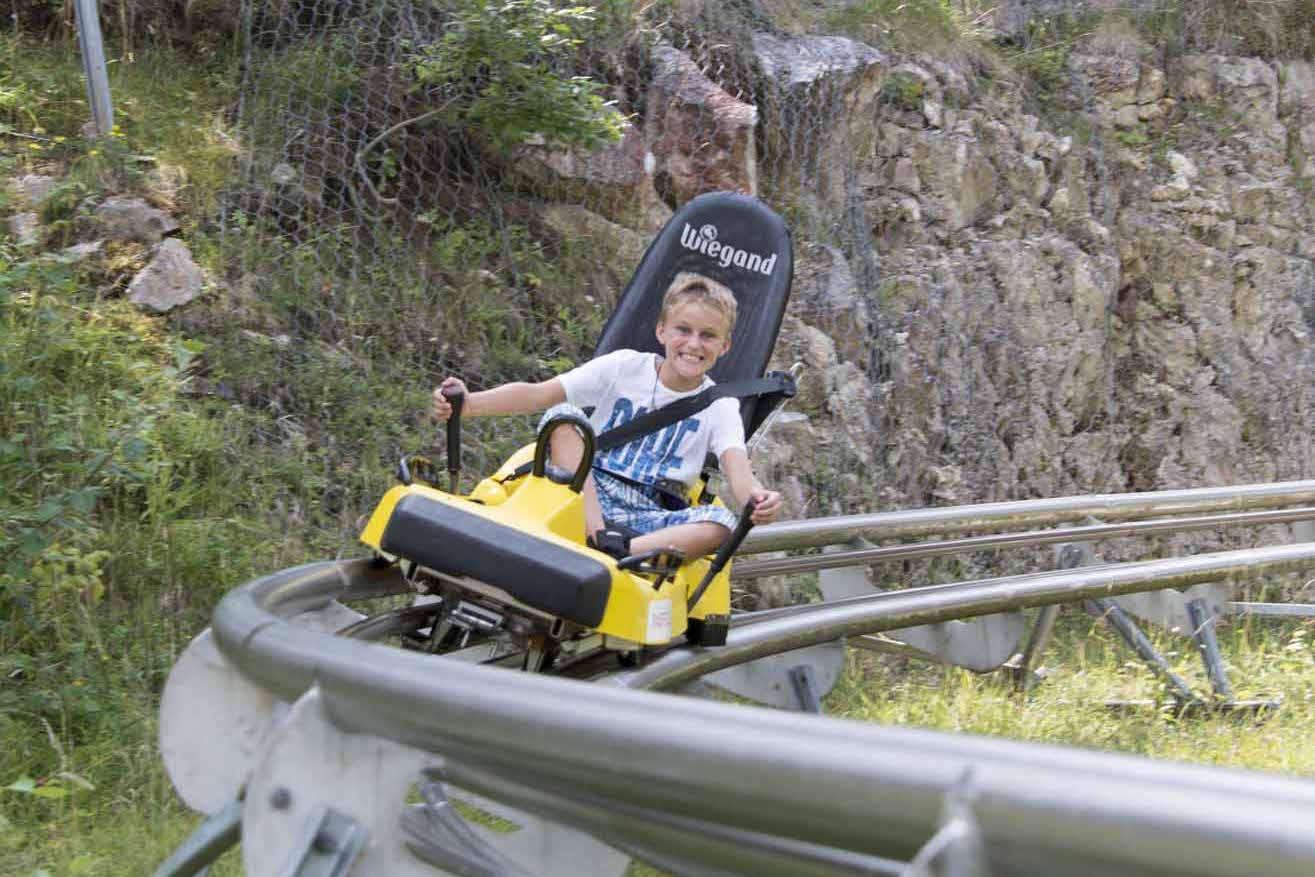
{"x": 903, "y": 91}
{"x": 497, "y": 69}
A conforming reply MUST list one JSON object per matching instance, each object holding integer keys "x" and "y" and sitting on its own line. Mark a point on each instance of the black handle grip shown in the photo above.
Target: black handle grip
{"x": 586, "y": 460}
{"x": 729, "y": 547}
{"x": 742, "y": 528}
{"x": 457, "y": 400}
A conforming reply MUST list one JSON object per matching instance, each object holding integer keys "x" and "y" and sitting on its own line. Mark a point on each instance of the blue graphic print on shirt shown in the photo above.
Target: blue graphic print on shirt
{"x": 645, "y": 460}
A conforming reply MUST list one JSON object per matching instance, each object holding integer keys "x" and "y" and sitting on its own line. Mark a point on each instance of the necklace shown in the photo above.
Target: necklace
{"x": 657, "y": 370}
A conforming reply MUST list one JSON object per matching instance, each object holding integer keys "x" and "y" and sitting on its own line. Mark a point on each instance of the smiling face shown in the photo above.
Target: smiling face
{"x": 694, "y": 335}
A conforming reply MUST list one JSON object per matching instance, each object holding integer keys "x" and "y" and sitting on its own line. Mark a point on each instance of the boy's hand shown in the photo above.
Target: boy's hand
{"x": 767, "y": 505}
{"x": 442, "y": 407}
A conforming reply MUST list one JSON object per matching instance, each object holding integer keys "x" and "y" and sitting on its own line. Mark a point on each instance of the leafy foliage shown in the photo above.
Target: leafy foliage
{"x": 498, "y": 69}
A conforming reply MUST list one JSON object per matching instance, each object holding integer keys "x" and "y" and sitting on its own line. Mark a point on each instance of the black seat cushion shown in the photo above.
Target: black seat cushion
{"x": 539, "y": 573}
{"x": 711, "y": 229}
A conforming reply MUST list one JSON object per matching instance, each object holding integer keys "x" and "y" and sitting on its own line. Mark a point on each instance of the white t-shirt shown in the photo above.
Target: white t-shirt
{"x": 624, "y": 384}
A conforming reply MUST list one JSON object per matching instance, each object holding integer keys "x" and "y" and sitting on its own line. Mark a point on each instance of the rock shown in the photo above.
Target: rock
{"x": 1152, "y": 86}
{"x": 32, "y": 189}
{"x": 825, "y": 295}
{"x": 616, "y": 248}
{"x": 571, "y": 221}
{"x": 26, "y": 229}
{"x": 1256, "y": 203}
{"x": 1192, "y": 77}
{"x": 833, "y": 80}
{"x": 1298, "y": 91}
{"x": 909, "y": 210}
{"x": 1112, "y": 79}
{"x": 617, "y": 179}
{"x": 132, "y": 219}
{"x": 78, "y": 252}
{"x": 171, "y": 279}
{"x": 933, "y": 111}
{"x": 1170, "y": 192}
{"x": 283, "y": 174}
{"x": 702, "y": 138}
{"x": 849, "y": 402}
{"x": 904, "y": 176}
{"x": 1247, "y": 86}
{"x": 813, "y": 65}
{"x": 1182, "y": 166}
{"x": 1305, "y": 149}
{"x": 1061, "y": 201}
{"x": 972, "y": 187}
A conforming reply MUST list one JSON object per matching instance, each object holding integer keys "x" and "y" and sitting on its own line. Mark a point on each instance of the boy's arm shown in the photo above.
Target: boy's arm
{"x": 513, "y": 398}
{"x": 744, "y": 486}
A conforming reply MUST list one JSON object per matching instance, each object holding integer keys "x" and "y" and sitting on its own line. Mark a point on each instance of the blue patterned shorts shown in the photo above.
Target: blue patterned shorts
{"x": 639, "y": 507}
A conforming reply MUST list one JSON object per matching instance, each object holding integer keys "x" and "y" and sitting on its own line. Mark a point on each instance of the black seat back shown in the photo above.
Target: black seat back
{"x": 733, "y": 239}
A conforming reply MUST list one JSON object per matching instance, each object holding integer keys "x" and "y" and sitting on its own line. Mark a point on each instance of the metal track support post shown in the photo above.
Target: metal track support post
{"x": 217, "y": 834}
{"x": 801, "y": 678}
{"x": 1203, "y": 632}
{"x": 1116, "y": 618}
{"x": 1022, "y": 667}
{"x": 93, "y": 63}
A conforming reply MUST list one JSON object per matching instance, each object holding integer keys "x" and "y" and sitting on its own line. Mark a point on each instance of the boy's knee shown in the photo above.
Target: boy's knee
{"x": 561, "y": 409}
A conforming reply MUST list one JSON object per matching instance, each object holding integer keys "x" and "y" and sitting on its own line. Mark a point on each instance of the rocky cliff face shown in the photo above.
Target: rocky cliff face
{"x": 1123, "y": 301}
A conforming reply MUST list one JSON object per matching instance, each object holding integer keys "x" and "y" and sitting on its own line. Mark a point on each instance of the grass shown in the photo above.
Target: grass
{"x": 1089, "y": 666}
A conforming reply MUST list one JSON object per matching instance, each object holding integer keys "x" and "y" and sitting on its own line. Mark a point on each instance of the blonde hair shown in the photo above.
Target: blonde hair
{"x": 687, "y": 286}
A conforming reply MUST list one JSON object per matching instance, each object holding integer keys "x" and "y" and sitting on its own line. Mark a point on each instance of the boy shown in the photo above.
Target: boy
{"x": 694, "y": 329}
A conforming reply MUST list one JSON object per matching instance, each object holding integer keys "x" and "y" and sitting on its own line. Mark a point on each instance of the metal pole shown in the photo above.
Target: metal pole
{"x": 823, "y": 622}
{"x": 1203, "y": 631}
{"x": 751, "y": 569}
{"x": 93, "y": 63}
{"x": 1024, "y": 668}
{"x": 1137, "y": 641}
{"x": 815, "y": 532}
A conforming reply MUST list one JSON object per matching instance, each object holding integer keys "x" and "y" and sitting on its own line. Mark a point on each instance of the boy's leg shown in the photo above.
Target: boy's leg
{"x": 566, "y": 450}
{"x": 695, "y": 540}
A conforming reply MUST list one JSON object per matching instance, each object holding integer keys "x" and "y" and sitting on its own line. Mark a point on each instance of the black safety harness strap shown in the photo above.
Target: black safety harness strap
{"x": 652, "y": 421}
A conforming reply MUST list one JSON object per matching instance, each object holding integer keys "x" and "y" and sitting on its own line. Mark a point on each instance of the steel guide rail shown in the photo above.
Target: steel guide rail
{"x": 821, "y": 622}
{"x": 752, "y": 569}
{"x": 713, "y": 782}
{"x": 1111, "y": 507}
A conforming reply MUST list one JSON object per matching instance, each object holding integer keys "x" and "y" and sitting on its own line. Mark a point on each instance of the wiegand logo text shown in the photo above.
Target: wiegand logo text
{"x": 704, "y": 240}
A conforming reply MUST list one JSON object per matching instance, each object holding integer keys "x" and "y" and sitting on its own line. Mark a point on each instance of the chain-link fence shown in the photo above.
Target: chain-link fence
{"x": 400, "y": 186}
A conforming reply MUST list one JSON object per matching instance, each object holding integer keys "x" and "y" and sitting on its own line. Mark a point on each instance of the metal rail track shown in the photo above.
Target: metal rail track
{"x": 707, "y": 799}
{"x": 1111, "y": 507}
{"x": 752, "y": 569}
{"x": 763, "y": 792}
